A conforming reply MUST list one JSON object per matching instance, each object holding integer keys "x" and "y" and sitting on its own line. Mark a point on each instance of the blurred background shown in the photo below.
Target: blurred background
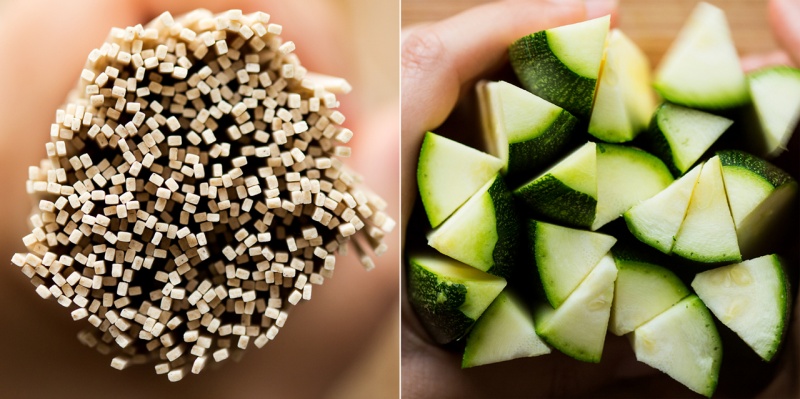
{"x": 341, "y": 344}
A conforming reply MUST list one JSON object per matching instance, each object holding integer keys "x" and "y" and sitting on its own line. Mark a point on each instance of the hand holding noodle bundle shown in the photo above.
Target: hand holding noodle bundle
{"x": 193, "y": 192}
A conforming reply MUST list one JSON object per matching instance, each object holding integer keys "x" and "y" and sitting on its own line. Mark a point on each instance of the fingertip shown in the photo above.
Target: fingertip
{"x": 757, "y": 61}
{"x": 784, "y": 4}
{"x": 599, "y": 8}
{"x": 783, "y": 15}
{"x": 409, "y": 29}
{"x": 437, "y": 58}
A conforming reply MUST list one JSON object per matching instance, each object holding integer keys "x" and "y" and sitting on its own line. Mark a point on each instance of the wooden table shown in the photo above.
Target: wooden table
{"x": 652, "y": 24}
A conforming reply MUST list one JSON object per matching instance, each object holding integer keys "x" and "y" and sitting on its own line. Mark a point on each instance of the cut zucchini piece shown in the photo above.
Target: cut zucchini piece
{"x": 761, "y": 197}
{"x": 707, "y": 233}
{"x": 578, "y": 327}
{"x": 752, "y": 298}
{"x": 561, "y": 65}
{"x": 701, "y": 69}
{"x": 523, "y": 130}
{"x": 656, "y": 221}
{"x": 625, "y": 177}
{"x": 449, "y": 296}
{"x": 625, "y": 99}
{"x": 565, "y": 256}
{"x": 448, "y": 173}
{"x": 484, "y": 233}
{"x": 504, "y": 332}
{"x": 591, "y": 188}
{"x": 642, "y": 291}
{"x": 683, "y": 342}
{"x": 567, "y": 192}
{"x": 680, "y": 135}
{"x": 776, "y": 99}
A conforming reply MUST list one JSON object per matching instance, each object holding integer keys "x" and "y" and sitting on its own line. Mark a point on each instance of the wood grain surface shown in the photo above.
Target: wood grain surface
{"x": 652, "y": 24}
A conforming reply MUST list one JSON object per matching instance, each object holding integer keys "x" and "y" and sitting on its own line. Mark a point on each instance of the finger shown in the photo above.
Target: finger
{"x": 44, "y": 45}
{"x": 409, "y": 29}
{"x": 436, "y": 59}
{"x": 756, "y": 61}
{"x": 783, "y": 16}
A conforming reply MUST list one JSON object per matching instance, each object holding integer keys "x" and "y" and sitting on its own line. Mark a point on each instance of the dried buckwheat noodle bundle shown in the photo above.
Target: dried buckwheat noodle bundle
{"x": 193, "y": 192}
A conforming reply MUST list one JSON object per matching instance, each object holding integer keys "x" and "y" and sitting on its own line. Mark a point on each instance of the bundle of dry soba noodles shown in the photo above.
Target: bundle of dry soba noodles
{"x": 193, "y": 192}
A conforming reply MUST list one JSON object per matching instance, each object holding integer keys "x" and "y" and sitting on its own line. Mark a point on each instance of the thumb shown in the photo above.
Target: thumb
{"x": 438, "y": 58}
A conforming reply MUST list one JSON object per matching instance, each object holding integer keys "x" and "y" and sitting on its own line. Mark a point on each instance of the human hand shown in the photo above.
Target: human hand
{"x": 441, "y": 62}
{"x": 45, "y": 45}
{"x": 783, "y": 15}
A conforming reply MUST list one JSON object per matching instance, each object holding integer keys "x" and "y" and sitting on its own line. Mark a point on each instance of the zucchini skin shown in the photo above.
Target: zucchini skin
{"x": 543, "y": 74}
{"x": 506, "y": 251}
{"x": 531, "y": 155}
{"x": 442, "y": 319}
{"x": 556, "y": 201}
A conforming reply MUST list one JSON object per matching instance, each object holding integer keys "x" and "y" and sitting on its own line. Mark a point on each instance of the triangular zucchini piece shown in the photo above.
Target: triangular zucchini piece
{"x": 680, "y": 135}
{"x": 504, "y": 332}
{"x": 484, "y": 232}
{"x": 448, "y": 173}
{"x": 776, "y": 99}
{"x": 567, "y": 192}
{"x": 701, "y": 69}
{"x": 683, "y": 342}
{"x": 578, "y": 327}
{"x": 625, "y": 99}
{"x": 752, "y": 298}
{"x": 523, "y": 130}
{"x": 761, "y": 197}
{"x": 625, "y": 177}
{"x": 707, "y": 233}
{"x": 449, "y": 296}
{"x": 565, "y": 256}
{"x": 641, "y": 292}
{"x": 656, "y": 221}
{"x": 561, "y": 65}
